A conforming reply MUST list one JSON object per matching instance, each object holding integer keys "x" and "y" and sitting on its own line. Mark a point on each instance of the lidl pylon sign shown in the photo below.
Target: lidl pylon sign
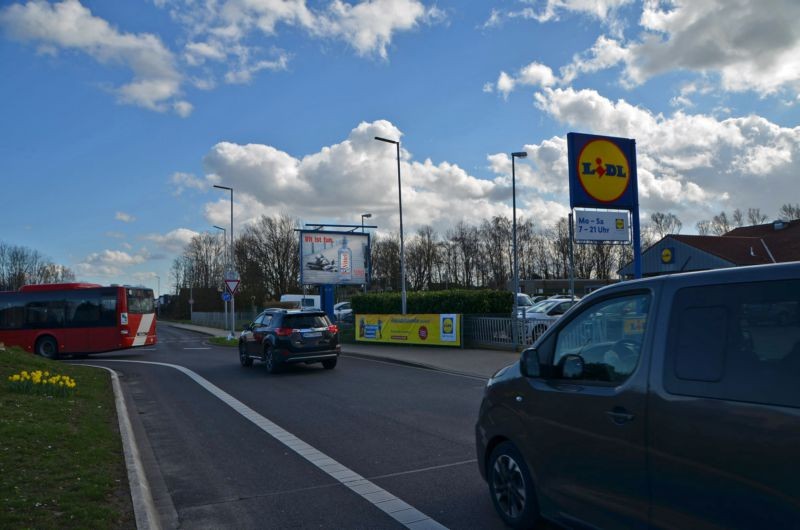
{"x": 602, "y": 171}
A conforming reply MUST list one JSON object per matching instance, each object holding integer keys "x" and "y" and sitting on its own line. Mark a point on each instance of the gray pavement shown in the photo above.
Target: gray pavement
{"x": 468, "y": 361}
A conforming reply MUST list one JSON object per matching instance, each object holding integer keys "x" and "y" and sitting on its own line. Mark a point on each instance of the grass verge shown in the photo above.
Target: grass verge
{"x": 61, "y": 458}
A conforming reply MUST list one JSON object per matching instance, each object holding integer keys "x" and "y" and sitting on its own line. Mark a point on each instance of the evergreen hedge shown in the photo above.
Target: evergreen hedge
{"x": 462, "y": 301}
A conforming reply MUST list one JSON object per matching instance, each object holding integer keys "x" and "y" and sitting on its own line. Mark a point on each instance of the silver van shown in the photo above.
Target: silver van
{"x": 668, "y": 402}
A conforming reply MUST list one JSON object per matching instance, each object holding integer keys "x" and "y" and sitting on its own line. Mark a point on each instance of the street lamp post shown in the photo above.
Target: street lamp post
{"x": 363, "y": 216}
{"x": 402, "y": 248}
{"x": 225, "y": 250}
{"x": 158, "y": 293}
{"x": 233, "y": 303}
{"x": 518, "y": 154}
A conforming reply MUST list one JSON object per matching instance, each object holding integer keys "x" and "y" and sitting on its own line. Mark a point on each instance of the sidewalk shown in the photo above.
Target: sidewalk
{"x": 473, "y": 362}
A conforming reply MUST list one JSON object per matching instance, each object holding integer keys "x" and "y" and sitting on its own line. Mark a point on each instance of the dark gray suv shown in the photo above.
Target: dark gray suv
{"x": 280, "y": 336}
{"x": 669, "y": 402}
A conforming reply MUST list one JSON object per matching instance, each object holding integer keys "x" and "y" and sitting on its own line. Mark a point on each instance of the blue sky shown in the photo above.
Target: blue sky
{"x": 120, "y": 116}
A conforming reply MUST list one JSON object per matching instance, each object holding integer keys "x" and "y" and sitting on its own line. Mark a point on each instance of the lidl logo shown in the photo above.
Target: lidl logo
{"x": 666, "y": 255}
{"x": 603, "y": 170}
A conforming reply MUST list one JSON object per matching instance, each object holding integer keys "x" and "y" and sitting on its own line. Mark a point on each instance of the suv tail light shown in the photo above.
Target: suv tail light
{"x": 283, "y": 332}
{"x": 333, "y": 328}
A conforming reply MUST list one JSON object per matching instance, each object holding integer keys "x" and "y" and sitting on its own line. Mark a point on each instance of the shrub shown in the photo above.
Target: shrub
{"x": 484, "y": 301}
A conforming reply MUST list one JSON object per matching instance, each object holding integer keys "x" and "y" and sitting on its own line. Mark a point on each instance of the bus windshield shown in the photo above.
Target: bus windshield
{"x": 140, "y": 301}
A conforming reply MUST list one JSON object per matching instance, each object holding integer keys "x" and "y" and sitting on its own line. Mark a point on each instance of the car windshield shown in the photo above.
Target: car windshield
{"x": 524, "y": 301}
{"x": 306, "y": 321}
{"x": 543, "y": 306}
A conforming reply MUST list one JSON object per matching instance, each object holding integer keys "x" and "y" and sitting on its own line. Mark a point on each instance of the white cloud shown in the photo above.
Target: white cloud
{"x": 109, "y": 263}
{"x": 753, "y": 45}
{"x": 340, "y": 181}
{"x": 70, "y": 25}
{"x": 174, "y": 241}
{"x": 605, "y": 53}
{"x": 534, "y": 74}
{"x": 124, "y": 217}
{"x": 186, "y": 181}
{"x": 599, "y": 9}
{"x": 693, "y": 164}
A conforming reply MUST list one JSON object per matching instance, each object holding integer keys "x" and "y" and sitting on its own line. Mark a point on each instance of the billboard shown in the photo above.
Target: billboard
{"x": 430, "y": 329}
{"x": 333, "y": 258}
{"x": 592, "y": 226}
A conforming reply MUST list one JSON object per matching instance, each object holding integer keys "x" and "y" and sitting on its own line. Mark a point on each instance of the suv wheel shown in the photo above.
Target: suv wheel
{"x": 329, "y": 364}
{"x": 511, "y": 487}
{"x": 244, "y": 359}
{"x": 270, "y": 362}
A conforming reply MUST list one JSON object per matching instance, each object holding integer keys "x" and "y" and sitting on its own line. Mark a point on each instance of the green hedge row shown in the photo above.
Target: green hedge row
{"x": 454, "y": 301}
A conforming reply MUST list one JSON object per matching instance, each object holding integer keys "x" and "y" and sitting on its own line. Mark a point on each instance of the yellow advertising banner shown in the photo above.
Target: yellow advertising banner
{"x": 428, "y": 329}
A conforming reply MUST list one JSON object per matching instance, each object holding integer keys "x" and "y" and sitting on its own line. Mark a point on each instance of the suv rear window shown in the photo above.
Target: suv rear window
{"x": 306, "y": 321}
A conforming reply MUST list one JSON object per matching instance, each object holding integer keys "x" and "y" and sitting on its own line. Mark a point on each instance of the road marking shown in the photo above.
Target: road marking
{"x": 197, "y": 348}
{"x": 395, "y": 508}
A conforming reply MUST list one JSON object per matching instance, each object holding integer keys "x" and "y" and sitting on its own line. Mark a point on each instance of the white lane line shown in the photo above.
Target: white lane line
{"x": 395, "y": 508}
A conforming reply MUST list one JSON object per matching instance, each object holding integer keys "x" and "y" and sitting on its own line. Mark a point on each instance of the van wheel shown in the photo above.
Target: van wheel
{"x": 244, "y": 359}
{"x": 270, "y": 362}
{"x": 329, "y": 364}
{"x": 511, "y": 487}
{"x": 47, "y": 347}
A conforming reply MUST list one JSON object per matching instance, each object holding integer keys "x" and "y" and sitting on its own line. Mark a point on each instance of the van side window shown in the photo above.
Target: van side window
{"x": 607, "y": 336}
{"x": 737, "y": 342}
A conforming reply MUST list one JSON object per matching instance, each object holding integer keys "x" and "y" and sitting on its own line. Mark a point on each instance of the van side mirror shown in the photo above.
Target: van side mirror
{"x": 529, "y": 364}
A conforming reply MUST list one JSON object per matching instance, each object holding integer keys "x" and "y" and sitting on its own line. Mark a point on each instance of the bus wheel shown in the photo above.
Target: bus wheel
{"x": 47, "y": 347}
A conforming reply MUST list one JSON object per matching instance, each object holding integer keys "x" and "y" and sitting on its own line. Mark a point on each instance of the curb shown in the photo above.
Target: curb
{"x": 413, "y": 364}
{"x": 143, "y": 506}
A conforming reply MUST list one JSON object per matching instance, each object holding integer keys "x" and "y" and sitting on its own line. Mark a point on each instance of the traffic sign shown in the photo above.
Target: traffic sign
{"x": 226, "y": 296}
{"x": 232, "y": 285}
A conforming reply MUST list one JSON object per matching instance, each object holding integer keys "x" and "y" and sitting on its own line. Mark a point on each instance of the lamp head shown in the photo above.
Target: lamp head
{"x": 519, "y": 154}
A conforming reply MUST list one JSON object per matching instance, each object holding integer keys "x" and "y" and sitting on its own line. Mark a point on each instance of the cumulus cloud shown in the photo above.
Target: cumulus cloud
{"x": 752, "y": 45}
{"x": 338, "y": 182}
{"x": 187, "y": 181}
{"x": 109, "y": 263}
{"x": 694, "y": 164}
{"x": 534, "y": 74}
{"x": 124, "y": 217}
{"x": 174, "y": 241}
{"x": 69, "y": 25}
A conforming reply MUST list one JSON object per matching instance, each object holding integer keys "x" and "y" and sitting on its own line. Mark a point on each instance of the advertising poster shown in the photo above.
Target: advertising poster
{"x": 333, "y": 258}
{"x": 425, "y": 329}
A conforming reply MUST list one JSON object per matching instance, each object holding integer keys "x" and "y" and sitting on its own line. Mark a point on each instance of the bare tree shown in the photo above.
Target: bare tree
{"x": 665, "y": 223}
{"x": 789, "y": 212}
{"x": 21, "y": 266}
{"x": 703, "y": 227}
{"x": 267, "y": 257}
{"x": 385, "y": 259}
{"x": 755, "y": 217}
{"x": 720, "y": 224}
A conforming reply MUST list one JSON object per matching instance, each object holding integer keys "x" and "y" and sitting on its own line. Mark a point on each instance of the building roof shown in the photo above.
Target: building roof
{"x": 781, "y": 237}
{"x": 737, "y": 250}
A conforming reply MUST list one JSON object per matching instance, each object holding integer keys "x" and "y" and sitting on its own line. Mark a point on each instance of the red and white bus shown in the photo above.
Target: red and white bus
{"x": 54, "y": 319}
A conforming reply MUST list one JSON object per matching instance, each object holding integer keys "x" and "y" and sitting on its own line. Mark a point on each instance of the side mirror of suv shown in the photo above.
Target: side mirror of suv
{"x": 529, "y": 364}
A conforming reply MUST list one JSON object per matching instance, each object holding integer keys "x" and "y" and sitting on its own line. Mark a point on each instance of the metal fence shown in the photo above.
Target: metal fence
{"x": 497, "y": 332}
{"x": 217, "y": 319}
{"x": 478, "y": 330}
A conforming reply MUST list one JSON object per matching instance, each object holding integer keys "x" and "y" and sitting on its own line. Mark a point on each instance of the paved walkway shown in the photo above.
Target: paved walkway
{"x": 474, "y": 362}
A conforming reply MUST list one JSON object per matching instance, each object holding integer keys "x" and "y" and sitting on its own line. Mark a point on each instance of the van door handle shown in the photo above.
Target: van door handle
{"x": 620, "y": 415}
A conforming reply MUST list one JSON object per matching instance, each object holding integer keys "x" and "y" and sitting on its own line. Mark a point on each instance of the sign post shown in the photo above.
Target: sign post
{"x": 602, "y": 175}
{"x": 232, "y": 284}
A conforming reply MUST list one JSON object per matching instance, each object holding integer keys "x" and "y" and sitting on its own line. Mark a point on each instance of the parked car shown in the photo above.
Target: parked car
{"x": 539, "y": 317}
{"x": 343, "y": 312}
{"x": 283, "y": 336}
{"x": 654, "y": 403}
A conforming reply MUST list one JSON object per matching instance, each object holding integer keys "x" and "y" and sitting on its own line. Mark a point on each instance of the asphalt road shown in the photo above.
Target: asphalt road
{"x": 407, "y": 430}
